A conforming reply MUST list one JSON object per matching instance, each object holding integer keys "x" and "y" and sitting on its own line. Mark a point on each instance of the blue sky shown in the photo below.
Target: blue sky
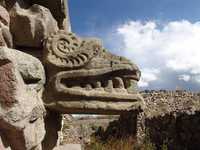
{"x": 87, "y": 14}
{"x": 161, "y": 36}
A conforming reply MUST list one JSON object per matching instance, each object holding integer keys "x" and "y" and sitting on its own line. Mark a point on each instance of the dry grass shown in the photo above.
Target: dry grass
{"x": 112, "y": 144}
{"x": 122, "y": 144}
{"x": 100, "y": 141}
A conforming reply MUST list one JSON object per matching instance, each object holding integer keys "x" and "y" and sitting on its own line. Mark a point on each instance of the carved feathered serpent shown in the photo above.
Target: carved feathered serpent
{"x": 67, "y": 50}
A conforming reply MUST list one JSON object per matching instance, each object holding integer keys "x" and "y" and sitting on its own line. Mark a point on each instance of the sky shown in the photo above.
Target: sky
{"x": 161, "y": 36}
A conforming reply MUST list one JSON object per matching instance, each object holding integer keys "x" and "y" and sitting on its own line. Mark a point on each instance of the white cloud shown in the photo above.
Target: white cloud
{"x": 184, "y": 77}
{"x": 197, "y": 78}
{"x": 148, "y": 76}
{"x": 174, "y": 46}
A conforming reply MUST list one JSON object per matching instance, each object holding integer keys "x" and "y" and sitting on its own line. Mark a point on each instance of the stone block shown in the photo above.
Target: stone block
{"x": 35, "y": 23}
{"x": 21, "y": 107}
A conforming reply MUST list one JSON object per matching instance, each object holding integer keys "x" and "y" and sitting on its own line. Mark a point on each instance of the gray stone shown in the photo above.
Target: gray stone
{"x": 59, "y": 10}
{"x": 35, "y": 24}
{"x": 29, "y": 67}
{"x": 85, "y": 78}
{"x": 22, "y": 110}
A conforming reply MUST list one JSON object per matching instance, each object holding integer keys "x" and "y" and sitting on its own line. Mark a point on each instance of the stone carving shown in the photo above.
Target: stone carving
{"x": 66, "y": 50}
{"x": 82, "y": 77}
{"x": 22, "y": 110}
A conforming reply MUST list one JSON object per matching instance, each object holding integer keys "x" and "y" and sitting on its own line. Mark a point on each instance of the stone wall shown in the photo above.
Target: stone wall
{"x": 171, "y": 118}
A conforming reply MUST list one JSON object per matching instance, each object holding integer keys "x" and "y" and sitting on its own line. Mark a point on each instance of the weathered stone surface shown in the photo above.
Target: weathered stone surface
{"x": 35, "y": 23}
{"x": 5, "y": 36}
{"x": 22, "y": 110}
{"x": 30, "y": 68}
{"x": 84, "y": 76}
{"x": 59, "y": 10}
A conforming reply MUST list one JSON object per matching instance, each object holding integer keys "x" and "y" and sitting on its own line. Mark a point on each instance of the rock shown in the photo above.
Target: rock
{"x": 59, "y": 10}
{"x": 21, "y": 107}
{"x": 69, "y": 147}
{"x": 5, "y": 35}
{"x": 35, "y": 23}
{"x": 30, "y": 68}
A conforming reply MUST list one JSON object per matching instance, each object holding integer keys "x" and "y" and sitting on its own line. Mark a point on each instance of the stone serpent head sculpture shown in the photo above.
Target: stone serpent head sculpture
{"x": 84, "y": 78}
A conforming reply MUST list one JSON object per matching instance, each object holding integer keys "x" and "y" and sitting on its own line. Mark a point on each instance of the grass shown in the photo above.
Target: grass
{"x": 128, "y": 143}
{"x": 111, "y": 144}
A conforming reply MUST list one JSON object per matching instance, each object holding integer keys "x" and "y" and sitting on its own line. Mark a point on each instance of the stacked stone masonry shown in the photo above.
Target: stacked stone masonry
{"x": 171, "y": 118}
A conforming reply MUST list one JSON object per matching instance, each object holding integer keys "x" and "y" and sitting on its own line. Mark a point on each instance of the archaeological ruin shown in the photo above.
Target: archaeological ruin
{"x": 46, "y": 71}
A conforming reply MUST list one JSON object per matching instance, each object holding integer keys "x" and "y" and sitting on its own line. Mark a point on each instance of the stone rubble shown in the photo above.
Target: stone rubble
{"x": 160, "y": 103}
